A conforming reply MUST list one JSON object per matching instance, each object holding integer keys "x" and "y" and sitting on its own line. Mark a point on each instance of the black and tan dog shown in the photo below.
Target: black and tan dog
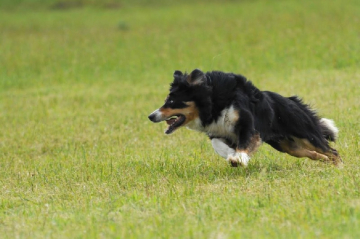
{"x": 238, "y": 117}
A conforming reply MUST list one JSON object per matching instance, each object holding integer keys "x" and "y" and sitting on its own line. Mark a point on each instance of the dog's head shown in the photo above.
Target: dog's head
{"x": 188, "y": 93}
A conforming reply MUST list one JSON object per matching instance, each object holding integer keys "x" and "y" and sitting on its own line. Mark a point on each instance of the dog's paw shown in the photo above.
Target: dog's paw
{"x": 239, "y": 158}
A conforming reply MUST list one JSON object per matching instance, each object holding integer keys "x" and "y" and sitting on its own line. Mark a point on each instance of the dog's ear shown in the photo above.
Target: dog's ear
{"x": 196, "y": 77}
{"x": 177, "y": 73}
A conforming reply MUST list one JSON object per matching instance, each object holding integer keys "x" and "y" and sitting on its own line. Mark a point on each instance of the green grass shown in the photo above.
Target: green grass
{"x": 79, "y": 159}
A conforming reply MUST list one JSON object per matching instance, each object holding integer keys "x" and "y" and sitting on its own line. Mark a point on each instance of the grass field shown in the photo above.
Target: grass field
{"x": 79, "y": 158}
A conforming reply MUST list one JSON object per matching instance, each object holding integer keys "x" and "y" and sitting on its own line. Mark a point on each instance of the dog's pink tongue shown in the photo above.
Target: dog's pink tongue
{"x": 170, "y": 121}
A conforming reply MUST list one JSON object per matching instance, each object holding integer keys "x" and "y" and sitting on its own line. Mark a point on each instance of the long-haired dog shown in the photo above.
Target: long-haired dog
{"x": 238, "y": 117}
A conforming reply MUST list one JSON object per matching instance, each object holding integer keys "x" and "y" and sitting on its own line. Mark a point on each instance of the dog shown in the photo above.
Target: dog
{"x": 238, "y": 117}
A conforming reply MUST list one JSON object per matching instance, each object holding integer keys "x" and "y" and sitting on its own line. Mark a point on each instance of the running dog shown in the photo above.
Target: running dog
{"x": 238, "y": 117}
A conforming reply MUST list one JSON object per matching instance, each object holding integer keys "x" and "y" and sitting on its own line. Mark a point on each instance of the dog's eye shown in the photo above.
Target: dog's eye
{"x": 171, "y": 101}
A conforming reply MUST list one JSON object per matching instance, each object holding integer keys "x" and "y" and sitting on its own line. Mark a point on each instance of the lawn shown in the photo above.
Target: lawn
{"x": 80, "y": 159}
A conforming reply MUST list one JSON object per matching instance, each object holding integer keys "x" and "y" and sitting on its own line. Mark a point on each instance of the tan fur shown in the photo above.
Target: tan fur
{"x": 253, "y": 146}
{"x": 303, "y": 148}
{"x": 191, "y": 112}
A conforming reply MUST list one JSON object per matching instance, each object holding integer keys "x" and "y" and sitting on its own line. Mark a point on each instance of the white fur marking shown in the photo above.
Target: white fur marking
{"x": 221, "y": 148}
{"x": 222, "y": 127}
{"x": 330, "y": 124}
{"x": 243, "y": 158}
{"x": 240, "y": 157}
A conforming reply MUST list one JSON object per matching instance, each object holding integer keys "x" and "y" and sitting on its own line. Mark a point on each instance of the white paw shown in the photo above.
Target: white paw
{"x": 239, "y": 158}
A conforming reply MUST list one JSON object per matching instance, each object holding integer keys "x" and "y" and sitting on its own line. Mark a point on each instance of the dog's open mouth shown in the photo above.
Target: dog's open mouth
{"x": 174, "y": 122}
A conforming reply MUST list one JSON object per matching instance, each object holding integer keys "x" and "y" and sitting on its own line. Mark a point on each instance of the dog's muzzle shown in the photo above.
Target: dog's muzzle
{"x": 155, "y": 116}
{"x": 173, "y": 121}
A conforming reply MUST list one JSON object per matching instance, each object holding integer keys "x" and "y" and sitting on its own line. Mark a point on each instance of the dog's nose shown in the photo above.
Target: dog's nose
{"x": 151, "y": 117}
{"x": 155, "y": 116}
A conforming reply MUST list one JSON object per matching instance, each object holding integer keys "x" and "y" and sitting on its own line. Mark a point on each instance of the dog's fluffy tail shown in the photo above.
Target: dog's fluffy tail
{"x": 328, "y": 129}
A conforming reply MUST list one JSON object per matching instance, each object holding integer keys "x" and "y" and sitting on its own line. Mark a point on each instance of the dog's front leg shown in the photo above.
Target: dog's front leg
{"x": 222, "y": 148}
{"x": 248, "y": 141}
{"x": 243, "y": 152}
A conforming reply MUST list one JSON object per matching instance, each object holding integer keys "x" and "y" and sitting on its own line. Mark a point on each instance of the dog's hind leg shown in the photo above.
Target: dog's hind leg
{"x": 297, "y": 150}
{"x": 335, "y": 157}
{"x": 303, "y": 148}
{"x": 331, "y": 153}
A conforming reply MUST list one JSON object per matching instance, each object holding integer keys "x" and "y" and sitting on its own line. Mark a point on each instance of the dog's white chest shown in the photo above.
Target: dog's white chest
{"x": 223, "y": 127}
